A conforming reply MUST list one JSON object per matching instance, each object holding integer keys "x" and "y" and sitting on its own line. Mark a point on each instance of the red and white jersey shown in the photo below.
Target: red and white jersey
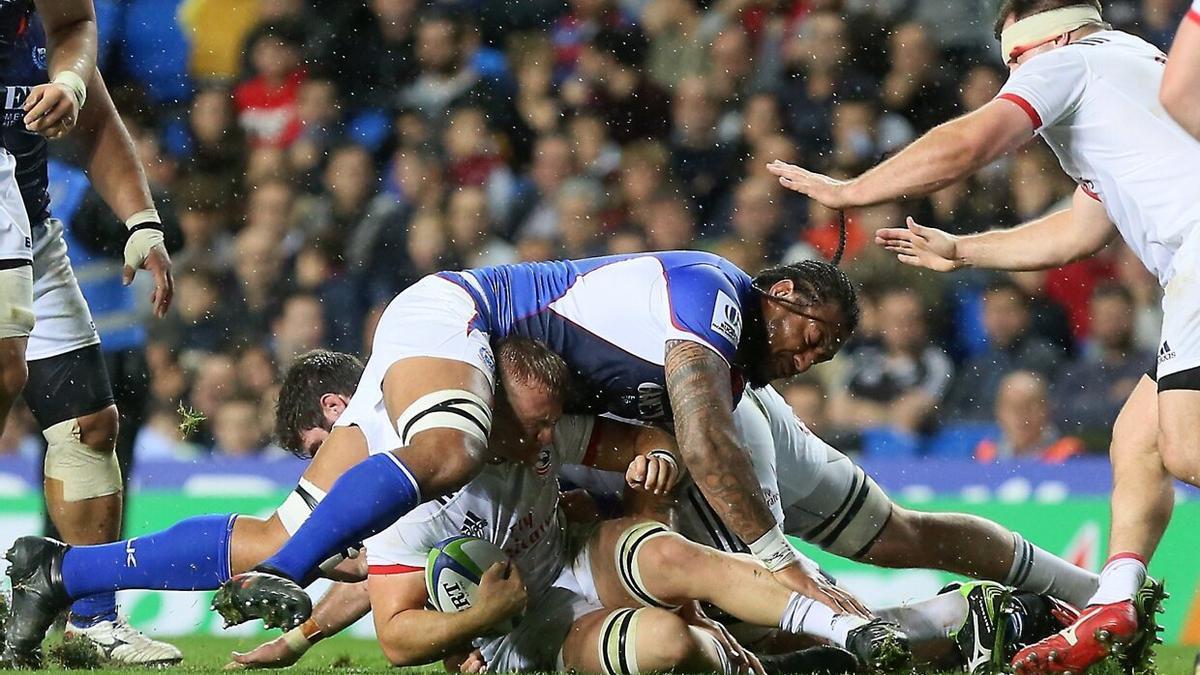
{"x": 514, "y": 506}
{"x": 1095, "y": 102}
{"x": 1194, "y": 12}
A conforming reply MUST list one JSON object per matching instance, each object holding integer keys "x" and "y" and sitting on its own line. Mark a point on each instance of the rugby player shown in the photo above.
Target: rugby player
{"x": 1092, "y": 94}
{"x": 664, "y": 338}
{"x": 65, "y": 382}
{"x": 1180, "y": 93}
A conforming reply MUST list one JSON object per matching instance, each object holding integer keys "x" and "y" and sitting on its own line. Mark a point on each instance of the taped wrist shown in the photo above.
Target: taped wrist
{"x": 665, "y": 456}
{"x": 773, "y": 550}
{"x": 144, "y": 217}
{"x": 74, "y": 84}
{"x": 301, "y": 638}
{"x": 137, "y": 247}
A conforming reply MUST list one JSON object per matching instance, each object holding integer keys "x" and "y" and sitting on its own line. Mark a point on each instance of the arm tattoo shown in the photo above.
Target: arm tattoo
{"x": 698, "y": 387}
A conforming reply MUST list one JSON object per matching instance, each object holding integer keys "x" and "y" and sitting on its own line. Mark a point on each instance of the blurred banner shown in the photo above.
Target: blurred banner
{"x": 1062, "y": 508}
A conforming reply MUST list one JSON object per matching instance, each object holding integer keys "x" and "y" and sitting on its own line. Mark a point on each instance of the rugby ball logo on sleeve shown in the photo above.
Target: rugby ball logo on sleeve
{"x": 727, "y": 318}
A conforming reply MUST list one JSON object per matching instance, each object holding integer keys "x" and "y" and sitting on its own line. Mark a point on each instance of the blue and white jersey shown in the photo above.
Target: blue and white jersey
{"x": 22, "y": 67}
{"x": 611, "y": 317}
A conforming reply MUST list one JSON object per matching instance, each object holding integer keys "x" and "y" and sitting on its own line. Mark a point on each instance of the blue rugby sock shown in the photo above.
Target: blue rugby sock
{"x": 191, "y": 555}
{"x": 93, "y": 609}
{"x": 369, "y": 497}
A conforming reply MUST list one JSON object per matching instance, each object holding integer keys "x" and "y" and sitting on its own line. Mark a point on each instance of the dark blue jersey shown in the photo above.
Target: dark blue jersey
{"x": 22, "y": 67}
{"x": 610, "y": 318}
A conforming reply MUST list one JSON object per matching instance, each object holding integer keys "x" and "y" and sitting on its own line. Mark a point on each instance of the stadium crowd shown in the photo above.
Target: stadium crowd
{"x": 312, "y": 158}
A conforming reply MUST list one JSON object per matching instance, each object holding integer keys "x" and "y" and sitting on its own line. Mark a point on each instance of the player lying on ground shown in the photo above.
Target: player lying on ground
{"x": 67, "y": 388}
{"x": 1180, "y": 93}
{"x": 1093, "y": 94}
{"x": 199, "y": 553}
{"x": 673, "y": 357}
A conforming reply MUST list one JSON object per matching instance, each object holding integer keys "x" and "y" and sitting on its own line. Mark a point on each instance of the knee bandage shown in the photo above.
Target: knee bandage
{"x": 298, "y": 507}
{"x": 629, "y": 545}
{"x": 16, "y": 302}
{"x": 446, "y": 409}
{"x": 84, "y": 472}
{"x": 618, "y": 643}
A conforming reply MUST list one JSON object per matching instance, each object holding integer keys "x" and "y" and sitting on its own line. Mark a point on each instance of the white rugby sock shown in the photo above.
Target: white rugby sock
{"x": 931, "y": 619}
{"x": 1120, "y": 579}
{"x": 1038, "y": 571}
{"x": 809, "y": 617}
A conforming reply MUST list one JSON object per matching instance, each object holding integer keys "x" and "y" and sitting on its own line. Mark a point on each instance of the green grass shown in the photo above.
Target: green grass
{"x": 344, "y": 655}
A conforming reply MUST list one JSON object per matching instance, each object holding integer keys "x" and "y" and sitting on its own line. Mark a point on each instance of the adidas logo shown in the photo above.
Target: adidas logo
{"x": 1165, "y": 352}
{"x": 474, "y": 526}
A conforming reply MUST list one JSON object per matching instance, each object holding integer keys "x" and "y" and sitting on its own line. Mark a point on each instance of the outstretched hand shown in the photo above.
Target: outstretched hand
{"x": 830, "y": 192}
{"x": 921, "y": 246}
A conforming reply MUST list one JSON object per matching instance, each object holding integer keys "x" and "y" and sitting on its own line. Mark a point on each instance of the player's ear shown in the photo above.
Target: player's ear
{"x": 782, "y": 288}
{"x": 332, "y": 406}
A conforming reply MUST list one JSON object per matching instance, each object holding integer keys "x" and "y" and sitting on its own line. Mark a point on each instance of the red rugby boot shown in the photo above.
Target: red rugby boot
{"x": 1100, "y": 631}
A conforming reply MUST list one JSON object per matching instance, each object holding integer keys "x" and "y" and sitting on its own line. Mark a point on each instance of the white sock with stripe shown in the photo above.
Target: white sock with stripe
{"x": 808, "y": 617}
{"x": 1038, "y": 571}
{"x": 1120, "y": 579}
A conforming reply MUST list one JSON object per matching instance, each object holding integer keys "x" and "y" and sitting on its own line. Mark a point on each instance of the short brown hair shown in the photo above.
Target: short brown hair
{"x": 532, "y": 362}
{"x": 312, "y": 375}
{"x": 1019, "y": 9}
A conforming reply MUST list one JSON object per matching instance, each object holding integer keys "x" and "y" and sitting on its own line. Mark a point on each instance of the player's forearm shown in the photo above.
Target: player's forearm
{"x": 697, "y": 385}
{"x": 1045, "y": 243}
{"x": 1180, "y": 93}
{"x": 941, "y": 157}
{"x": 341, "y": 607}
{"x": 112, "y": 161}
{"x": 419, "y": 636}
{"x": 70, "y": 36}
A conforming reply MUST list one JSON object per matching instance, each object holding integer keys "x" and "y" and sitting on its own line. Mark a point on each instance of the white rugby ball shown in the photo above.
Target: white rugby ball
{"x": 454, "y": 568}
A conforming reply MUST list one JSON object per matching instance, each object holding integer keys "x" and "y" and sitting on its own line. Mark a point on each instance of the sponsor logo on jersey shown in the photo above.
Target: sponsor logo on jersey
{"x": 485, "y": 355}
{"x": 727, "y": 318}
{"x": 475, "y": 526}
{"x": 39, "y": 57}
{"x": 1165, "y": 353}
{"x": 14, "y": 98}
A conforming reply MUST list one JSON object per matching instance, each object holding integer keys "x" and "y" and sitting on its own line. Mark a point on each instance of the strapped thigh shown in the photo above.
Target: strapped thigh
{"x": 629, "y": 544}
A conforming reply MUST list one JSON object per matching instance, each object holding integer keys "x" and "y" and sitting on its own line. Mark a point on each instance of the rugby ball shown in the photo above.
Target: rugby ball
{"x": 454, "y": 568}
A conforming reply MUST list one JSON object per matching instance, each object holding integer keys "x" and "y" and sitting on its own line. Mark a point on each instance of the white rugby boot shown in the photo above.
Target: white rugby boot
{"x": 121, "y": 643}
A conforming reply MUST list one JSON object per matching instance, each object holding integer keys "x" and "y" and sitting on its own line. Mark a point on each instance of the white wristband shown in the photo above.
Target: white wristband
{"x": 296, "y": 640}
{"x": 74, "y": 84}
{"x": 773, "y": 550}
{"x": 149, "y": 215}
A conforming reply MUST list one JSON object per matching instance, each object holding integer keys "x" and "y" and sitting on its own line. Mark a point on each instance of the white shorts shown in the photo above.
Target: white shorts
{"x": 63, "y": 322}
{"x": 430, "y": 318}
{"x": 536, "y": 643}
{"x": 845, "y": 511}
{"x": 1179, "y": 350}
{"x": 16, "y": 240}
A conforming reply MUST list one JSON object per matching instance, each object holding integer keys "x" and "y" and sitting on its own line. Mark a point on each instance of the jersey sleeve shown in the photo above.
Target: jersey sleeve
{"x": 573, "y": 438}
{"x": 704, "y": 308}
{"x": 404, "y": 546}
{"x": 1048, "y": 87}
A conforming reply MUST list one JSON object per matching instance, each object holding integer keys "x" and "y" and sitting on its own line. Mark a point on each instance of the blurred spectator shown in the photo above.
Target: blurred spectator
{"x": 612, "y": 82}
{"x": 900, "y": 381}
{"x": 808, "y": 400}
{"x": 473, "y": 241}
{"x": 237, "y": 430}
{"x": 299, "y": 328}
{"x": 679, "y": 38}
{"x": 1023, "y": 416}
{"x": 671, "y": 226}
{"x": 268, "y": 102}
{"x": 1091, "y": 390}
{"x": 579, "y": 218}
{"x": 1011, "y": 346}
{"x": 915, "y": 86}
{"x": 699, "y": 159}
{"x": 371, "y": 51}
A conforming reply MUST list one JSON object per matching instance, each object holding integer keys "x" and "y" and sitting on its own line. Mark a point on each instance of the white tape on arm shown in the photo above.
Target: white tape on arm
{"x": 773, "y": 550}
{"x": 74, "y": 84}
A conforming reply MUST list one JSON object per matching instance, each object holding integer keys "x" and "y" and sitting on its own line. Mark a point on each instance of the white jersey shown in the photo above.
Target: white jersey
{"x": 787, "y": 459}
{"x": 514, "y": 506}
{"x": 1095, "y": 102}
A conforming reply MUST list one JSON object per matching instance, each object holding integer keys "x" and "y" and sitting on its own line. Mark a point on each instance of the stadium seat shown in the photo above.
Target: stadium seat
{"x": 156, "y": 49}
{"x": 958, "y": 441}
{"x": 889, "y": 443}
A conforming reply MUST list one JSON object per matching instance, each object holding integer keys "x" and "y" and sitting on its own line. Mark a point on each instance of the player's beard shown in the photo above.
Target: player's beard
{"x": 753, "y": 352}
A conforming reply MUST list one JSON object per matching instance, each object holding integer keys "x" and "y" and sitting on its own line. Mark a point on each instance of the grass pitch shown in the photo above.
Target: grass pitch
{"x": 347, "y": 655}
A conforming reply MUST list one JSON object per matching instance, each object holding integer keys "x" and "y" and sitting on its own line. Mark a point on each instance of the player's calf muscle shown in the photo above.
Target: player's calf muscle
{"x": 254, "y": 540}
